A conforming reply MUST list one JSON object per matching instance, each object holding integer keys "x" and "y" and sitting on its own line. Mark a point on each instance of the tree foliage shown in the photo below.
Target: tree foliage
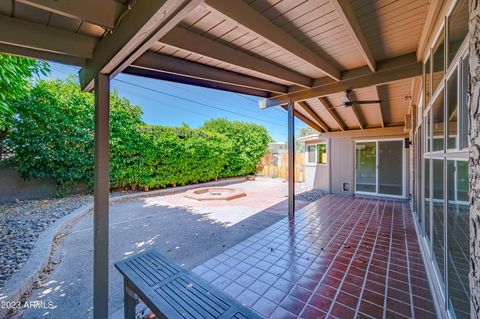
{"x": 249, "y": 141}
{"x": 303, "y": 131}
{"x": 52, "y": 137}
{"x": 15, "y": 74}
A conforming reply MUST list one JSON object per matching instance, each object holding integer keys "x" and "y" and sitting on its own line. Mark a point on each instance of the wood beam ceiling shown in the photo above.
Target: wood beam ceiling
{"x": 103, "y": 13}
{"x": 255, "y": 22}
{"x": 390, "y": 70}
{"x": 349, "y": 20}
{"x": 187, "y": 40}
{"x": 35, "y": 36}
{"x": 168, "y": 64}
{"x": 329, "y": 108}
{"x": 307, "y": 108}
{"x": 140, "y": 28}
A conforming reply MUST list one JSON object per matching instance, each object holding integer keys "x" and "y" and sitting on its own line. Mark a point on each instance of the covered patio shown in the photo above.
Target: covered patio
{"x": 341, "y": 257}
{"x": 349, "y": 69}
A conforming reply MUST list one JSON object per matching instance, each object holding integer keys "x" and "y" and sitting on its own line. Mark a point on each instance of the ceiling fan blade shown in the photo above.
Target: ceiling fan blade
{"x": 334, "y": 107}
{"x": 367, "y": 102}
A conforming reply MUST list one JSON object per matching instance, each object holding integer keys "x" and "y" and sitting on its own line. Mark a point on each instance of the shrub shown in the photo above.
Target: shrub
{"x": 52, "y": 137}
{"x": 249, "y": 141}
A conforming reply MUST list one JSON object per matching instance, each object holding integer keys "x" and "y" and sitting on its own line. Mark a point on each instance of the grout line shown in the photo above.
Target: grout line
{"x": 388, "y": 263}
{"x": 345, "y": 210}
{"x": 412, "y": 312}
{"x": 355, "y": 253}
{"x": 331, "y": 263}
{"x": 370, "y": 260}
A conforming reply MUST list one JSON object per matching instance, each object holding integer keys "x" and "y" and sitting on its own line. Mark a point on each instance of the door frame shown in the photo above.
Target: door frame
{"x": 376, "y": 193}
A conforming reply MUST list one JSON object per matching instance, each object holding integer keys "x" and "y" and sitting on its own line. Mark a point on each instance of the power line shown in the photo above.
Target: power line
{"x": 196, "y": 102}
{"x": 199, "y": 103}
{"x": 215, "y": 98}
{"x": 188, "y": 90}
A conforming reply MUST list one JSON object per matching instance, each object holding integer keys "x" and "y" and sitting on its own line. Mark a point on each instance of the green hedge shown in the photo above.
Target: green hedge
{"x": 52, "y": 136}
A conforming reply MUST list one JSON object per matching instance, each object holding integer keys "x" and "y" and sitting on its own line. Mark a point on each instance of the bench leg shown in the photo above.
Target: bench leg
{"x": 129, "y": 302}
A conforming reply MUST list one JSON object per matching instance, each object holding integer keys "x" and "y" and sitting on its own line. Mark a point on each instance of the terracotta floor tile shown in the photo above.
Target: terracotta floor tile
{"x": 338, "y": 253}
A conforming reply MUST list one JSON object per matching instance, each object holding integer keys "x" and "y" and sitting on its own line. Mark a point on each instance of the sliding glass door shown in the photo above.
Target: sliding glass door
{"x": 366, "y": 167}
{"x": 379, "y": 167}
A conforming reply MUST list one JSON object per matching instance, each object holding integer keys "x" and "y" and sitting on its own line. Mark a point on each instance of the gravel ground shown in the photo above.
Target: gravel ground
{"x": 22, "y": 222}
{"x": 310, "y": 196}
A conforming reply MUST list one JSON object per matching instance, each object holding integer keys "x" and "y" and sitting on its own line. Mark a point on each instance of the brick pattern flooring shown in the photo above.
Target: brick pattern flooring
{"x": 342, "y": 257}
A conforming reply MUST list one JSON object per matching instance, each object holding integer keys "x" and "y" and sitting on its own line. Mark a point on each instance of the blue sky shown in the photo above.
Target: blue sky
{"x": 168, "y": 103}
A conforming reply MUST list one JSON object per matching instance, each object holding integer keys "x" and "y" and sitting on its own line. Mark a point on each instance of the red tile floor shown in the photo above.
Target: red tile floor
{"x": 341, "y": 257}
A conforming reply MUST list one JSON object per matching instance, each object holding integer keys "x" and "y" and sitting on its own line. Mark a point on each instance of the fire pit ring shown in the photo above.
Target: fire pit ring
{"x": 215, "y": 193}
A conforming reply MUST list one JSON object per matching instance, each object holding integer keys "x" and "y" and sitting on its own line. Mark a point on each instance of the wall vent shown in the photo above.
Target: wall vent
{"x": 346, "y": 186}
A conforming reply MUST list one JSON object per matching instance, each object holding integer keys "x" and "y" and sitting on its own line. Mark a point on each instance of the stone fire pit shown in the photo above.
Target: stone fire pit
{"x": 215, "y": 193}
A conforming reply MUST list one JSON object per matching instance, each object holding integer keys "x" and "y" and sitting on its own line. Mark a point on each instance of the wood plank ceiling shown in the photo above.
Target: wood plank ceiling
{"x": 390, "y": 29}
{"x": 272, "y": 48}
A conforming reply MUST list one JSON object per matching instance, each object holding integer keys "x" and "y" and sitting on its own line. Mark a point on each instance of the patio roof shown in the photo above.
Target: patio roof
{"x": 307, "y": 51}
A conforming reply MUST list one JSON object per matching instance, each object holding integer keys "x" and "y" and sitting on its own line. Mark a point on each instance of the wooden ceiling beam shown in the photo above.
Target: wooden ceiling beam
{"x": 434, "y": 17}
{"x": 255, "y": 22}
{"x": 171, "y": 77}
{"x": 29, "y": 35}
{"x": 143, "y": 25}
{"x": 388, "y": 71}
{"x": 349, "y": 20}
{"x": 187, "y": 40}
{"x": 329, "y": 108}
{"x": 307, "y": 108}
{"x": 305, "y": 119}
{"x": 380, "y": 112}
{"x": 356, "y": 112}
{"x": 42, "y": 55}
{"x": 103, "y": 13}
{"x": 168, "y": 64}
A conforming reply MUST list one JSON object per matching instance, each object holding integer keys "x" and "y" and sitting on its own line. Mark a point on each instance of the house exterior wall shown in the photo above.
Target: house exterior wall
{"x": 343, "y": 164}
{"x": 317, "y": 176}
{"x": 340, "y": 168}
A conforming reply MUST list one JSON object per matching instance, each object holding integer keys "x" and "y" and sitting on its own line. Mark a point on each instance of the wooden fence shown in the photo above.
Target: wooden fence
{"x": 276, "y": 166}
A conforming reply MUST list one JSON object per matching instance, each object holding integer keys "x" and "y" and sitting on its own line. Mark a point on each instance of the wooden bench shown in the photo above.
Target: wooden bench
{"x": 171, "y": 291}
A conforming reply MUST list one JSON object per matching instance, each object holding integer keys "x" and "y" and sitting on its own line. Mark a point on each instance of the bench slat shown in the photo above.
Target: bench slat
{"x": 171, "y": 291}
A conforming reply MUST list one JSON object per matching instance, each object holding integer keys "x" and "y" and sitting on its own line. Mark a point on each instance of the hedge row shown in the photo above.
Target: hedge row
{"x": 52, "y": 136}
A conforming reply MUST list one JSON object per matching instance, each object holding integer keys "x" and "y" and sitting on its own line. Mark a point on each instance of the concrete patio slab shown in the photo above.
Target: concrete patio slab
{"x": 186, "y": 230}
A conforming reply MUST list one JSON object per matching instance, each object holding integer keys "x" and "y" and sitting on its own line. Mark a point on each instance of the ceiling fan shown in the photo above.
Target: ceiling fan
{"x": 347, "y": 101}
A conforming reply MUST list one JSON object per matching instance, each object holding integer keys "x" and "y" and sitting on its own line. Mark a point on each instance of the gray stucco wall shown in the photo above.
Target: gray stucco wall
{"x": 13, "y": 187}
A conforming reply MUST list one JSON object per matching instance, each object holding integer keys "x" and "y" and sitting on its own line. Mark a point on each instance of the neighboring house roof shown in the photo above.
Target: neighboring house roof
{"x": 308, "y": 138}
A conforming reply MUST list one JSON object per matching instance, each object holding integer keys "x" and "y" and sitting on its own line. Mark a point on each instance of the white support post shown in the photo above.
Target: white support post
{"x": 291, "y": 160}
{"x": 101, "y": 199}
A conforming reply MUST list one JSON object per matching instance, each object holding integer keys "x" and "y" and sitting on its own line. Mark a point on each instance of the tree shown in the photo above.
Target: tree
{"x": 474, "y": 162}
{"x": 52, "y": 137}
{"x": 250, "y": 143}
{"x": 303, "y": 131}
{"x": 15, "y": 74}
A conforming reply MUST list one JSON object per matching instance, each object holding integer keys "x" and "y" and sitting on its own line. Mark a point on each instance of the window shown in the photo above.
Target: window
{"x": 452, "y": 111}
{"x": 311, "y": 154}
{"x": 445, "y": 181}
{"x": 438, "y": 69}
{"x": 457, "y": 28}
{"x": 463, "y": 103}
{"x": 317, "y": 154}
{"x": 438, "y": 123}
{"x": 322, "y": 153}
{"x": 427, "y": 88}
